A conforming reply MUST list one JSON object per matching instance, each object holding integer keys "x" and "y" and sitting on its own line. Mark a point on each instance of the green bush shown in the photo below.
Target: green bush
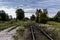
{"x": 42, "y": 18}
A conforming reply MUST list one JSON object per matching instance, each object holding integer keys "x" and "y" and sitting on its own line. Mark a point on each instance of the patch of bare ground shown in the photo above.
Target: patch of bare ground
{"x": 18, "y": 37}
{"x": 27, "y": 34}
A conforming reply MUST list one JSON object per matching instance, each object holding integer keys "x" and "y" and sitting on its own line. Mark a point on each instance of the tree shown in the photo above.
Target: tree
{"x": 42, "y": 16}
{"x": 7, "y": 17}
{"x": 51, "y": 19}
{"x": 20, "y": 14}
{"x": 11, "y": 17}
{"x": 26, "y": 19}
{"x": 38, "y": 11}
{"x": 3, "y": 15}
{"x": 57, "y": 17}
{"x": 32, "y": 17}
{"x": 45, "y": 11}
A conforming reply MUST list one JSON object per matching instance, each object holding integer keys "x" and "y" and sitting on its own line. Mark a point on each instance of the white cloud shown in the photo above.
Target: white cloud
{"x": 29, "y": 10}
{"x": 28, "y": 15}
{"x": 9, "y": 11}
{"x": 30, "y": 5}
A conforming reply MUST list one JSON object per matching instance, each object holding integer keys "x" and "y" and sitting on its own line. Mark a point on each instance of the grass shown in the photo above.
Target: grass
{"x": 53, "y": 29}
{"x": 19, "y": 33}
{"x": 7, "y": 24}
{"x": 24, "y": 25}
{"x": 55, "y": 24}
{"x": 21, "y": 30}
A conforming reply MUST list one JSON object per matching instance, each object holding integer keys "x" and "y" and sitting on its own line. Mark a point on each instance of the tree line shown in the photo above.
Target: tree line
{"x": 41, "y": 16}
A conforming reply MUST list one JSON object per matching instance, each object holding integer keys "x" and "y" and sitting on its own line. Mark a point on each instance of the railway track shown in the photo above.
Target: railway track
{"x": 39, "y": 34}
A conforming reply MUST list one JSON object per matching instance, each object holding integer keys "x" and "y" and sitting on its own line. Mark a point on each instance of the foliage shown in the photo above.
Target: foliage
{"x": 11, "y": 17}
{"x": 57, "y": 17}
{"x": 32, "y": 17}
{"x": 20, "y": 14}
{"x": 51, "y": 19}
{"x": 7, "y": 24}
{"x": 3, "y": 16}
{"x": 57, "y": 24}
{"x": 42, "y": 16}
{"x": 54, "y": 28}
{"x": 26, "y": 19}
{"x": 38, "y": 11}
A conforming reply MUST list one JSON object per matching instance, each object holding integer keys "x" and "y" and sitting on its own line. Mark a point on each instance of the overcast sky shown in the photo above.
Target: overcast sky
{"x": 10, "y": 6}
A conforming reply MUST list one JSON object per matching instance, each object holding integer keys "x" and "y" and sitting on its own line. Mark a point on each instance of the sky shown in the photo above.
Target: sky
{"x": 30, "y": 6}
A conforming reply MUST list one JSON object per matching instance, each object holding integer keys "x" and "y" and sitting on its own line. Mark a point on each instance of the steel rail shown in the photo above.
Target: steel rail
{"x": 41, "y": 30}
{"x": 32, "y": 32}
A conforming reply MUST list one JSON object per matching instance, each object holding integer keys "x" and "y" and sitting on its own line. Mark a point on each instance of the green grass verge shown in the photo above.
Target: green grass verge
{"x": 7, "y": 24}
{"x": 53, "y": 29}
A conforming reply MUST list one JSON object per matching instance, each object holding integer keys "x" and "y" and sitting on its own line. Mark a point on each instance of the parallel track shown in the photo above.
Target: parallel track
{"x": 13, "y": 28}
